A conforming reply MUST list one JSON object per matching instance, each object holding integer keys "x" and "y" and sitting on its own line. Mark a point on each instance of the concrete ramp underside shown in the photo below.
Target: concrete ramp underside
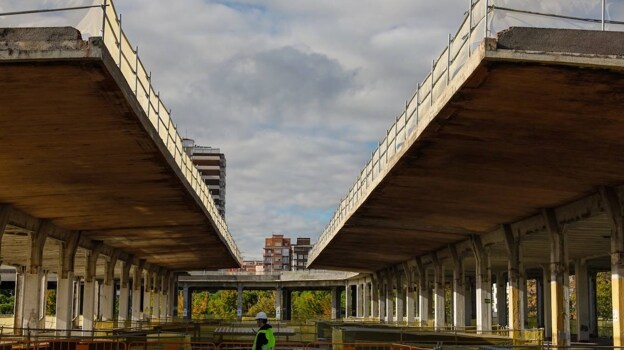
{"x": 520, "y": 134}
{"x": 73, "y": 150}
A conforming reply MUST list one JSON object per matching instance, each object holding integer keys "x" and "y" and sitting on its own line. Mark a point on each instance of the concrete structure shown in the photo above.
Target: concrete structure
{"x": 300, "y": 251}
{"x": 277, "y": 253}
{"x": 211, "y": 165}
{"x": 283, "y": 283}
{"x": 104, "y": 187}
{"x": 513, "y": 166}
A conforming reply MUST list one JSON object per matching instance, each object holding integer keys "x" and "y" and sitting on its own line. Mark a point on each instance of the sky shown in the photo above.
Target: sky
{"x": 296, "y": 93}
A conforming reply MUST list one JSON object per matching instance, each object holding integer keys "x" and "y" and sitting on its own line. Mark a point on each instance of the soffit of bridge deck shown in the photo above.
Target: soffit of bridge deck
{"x": 516, "y": 138}
{"x": 74, "y": 151}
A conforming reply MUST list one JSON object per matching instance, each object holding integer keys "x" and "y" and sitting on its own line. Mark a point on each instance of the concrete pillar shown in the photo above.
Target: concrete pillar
{"x": 348, "y": 301}
{"x": 423, "y": 297}
{"x": 524, "y": 298}
{"x": 335, "y": 305}
{"x": 375, "y": 298}
{"x": 484, "y": 286}
{"x": 559, "y": 280}
{"x": 359, "y": 309}
{"x": 239, "y": 302}
{"x": 613, "y": 206}
{"x": 107, "y": 301}
{"x": 278, "y": 303}
{"x": 156, "y": 295}
{"x": 400, "y": 298}
{"x": 470, "y": 300}
{"x": 78, "y": 288}
{"x": 124, "y": 293}
{"x": 438, "y": 291}
{"x": 44, "y": 299}
{"x": 582, "y": 300}
{"x": 31, "y": 301}
{"x": 512, "y": 243}
{"x": 459, "y": 290}
{"x": 18, "y": 306}
{"x": 186, "y": 301}
{"x": 147, "y": 294}
{"x": 164, "y": 295}
{"x": 65, "y": 283}
{"x": 410, "y": 304}
{"x": 501, "y": 299}
{"x": 382, "y": 299}
{"x": 367, "y": 299}
{"x": 90, "y": 290}
{"x": 390, "y": 299}
{"x": 547, "y": 302}
{"x": 136, "y": 291}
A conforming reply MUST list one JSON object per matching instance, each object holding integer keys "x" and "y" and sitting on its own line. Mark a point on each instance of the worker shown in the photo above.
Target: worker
{"x": 265, "y": 340}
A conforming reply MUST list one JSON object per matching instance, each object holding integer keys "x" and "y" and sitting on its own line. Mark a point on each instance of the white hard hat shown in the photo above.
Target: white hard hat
{"x": 261, "y": 316}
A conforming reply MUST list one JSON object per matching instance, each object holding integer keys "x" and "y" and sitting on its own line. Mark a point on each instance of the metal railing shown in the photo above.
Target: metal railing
{"x": 483, "y": 19}
{"x": 139, "y": 80}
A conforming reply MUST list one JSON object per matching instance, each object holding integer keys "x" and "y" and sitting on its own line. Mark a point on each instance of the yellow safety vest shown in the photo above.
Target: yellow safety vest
{"x": 268, "y": 333}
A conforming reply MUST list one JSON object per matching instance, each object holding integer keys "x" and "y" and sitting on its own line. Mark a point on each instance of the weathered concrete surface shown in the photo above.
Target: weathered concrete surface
{"x": 75, "y": 148}
{"x": 534, "y": 124}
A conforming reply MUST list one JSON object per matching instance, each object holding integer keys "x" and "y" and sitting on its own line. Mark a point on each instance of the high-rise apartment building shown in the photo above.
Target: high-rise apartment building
{"x": 211, "y": 165}
{"x": 277, "y": 253}
{"x": 300, "y": 252}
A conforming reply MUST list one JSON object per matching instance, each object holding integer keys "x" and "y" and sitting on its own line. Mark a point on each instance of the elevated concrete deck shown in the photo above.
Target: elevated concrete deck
{"x": 532, "y": 120}
{"x": 78, "y": 151}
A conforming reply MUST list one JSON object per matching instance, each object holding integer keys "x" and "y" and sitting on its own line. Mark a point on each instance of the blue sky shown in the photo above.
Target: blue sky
{"x": 296, "y": 93}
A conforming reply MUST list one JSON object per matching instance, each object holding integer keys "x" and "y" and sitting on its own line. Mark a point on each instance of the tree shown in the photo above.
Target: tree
{"x": 311, "y": 305}
{"x": 603, "y": 295}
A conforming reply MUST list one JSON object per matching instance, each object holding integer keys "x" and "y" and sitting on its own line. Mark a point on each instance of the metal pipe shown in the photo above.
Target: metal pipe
{"x": 103, "y": 19}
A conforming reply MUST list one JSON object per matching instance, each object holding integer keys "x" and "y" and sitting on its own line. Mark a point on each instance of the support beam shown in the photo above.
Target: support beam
{"x": 124, "y": 293}
{"x": 359, "y": 293}
{"x": 559, "y": 280}
{"x": 389, "y": 297}
{"x": 423, "y": 297}
{"x": 156, "y": 295}
{"x": 348, "y": 297}
{"x": 459, "y": 290}
{"x": 501, "y": 299}
{"x": 136, "y": 291}
{"x": 18, "y": 307}
{"x": 5, "y": 213}
{"x": 512, "y": 243}
{"x": 613, "y": 206}
{"x": 65, "y": 283}
{"x": 335, "y": 304}
{"x": 239, "y": 302}
{"x": 148, "y": 281}
{"x": 409, "y": 300}
{"x": 90, "y": 290}
{"x": 32, "y": 278}
{"x": 107, "y": 301}
{"x": 547, "y": 302}
{"x": 375, "y": 297}
{"x": 484, "y": 286}
{"x": 438, "y": 291}
{"x": 366, "y": 302}
{"x": 581, "y": 278}
{"x": 400, "y": 297}
{"x": 279, "y": 293}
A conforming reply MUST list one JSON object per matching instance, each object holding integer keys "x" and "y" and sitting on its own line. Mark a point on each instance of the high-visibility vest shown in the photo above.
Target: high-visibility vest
{"x": 268, "y": 333}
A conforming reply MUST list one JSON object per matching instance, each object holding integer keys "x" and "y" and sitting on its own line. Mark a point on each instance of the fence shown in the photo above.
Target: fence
{"x": 484, "y": 18}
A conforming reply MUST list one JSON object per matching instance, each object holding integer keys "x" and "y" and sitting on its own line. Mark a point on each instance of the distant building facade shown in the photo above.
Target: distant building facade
{"x": 300, "y": 252}
{"x": 277, "y": 254}
{"x": 211, "y": 165}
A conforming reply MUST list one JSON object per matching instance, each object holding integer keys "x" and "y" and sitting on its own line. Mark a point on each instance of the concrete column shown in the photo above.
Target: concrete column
{"x": 459, "y": 290}
{"x": 239, "y": 302}
{"x": 471, "y": 304}
{"x": 148, "y": 284}
{"x": 348, "y": 301}
{"x": 186, "y": 301}
{"x": 375, "y": 298}
{"x": 136, "y": 291}
{"x": 65, "y": 283}
{"x": 44, "y": 299}
{"x": 90, "y": 290}
{"x": 512, "y": 243}
{"x": 582, "y": 300}
{"x": 423, "y": 297}
{"x": 382, "y": 299}
{"x": 18, "y": 307}
{"x": 278, "y": 303}
{"x": 359, "y": 309}
{"x": 501, "y": 299}
{"x": 164, "y": 295}
{"x": 335, "y": 305}
{"x": 410, "y": 304}
{"x": 107, "y": 302}
{"x": 524, "y": 298}
{"x": 484, "y": 286}
{"x": 78, "y": 287}
{"x": 613, "y": 206}
{"x": 390, "y": 300}
{"x": 32, "y": 278}
{"x": 400, "y": 298}
{"x": 124, "y": 293}
{"x": 547, "y": 302}
{"x": 367, "y": 299}
{"x": 439, "y": 302}
{"x": 559, "y": 280}
{"x": 156, "y": 296}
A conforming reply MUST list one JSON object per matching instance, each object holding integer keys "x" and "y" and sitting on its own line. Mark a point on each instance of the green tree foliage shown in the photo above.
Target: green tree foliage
{"x": 603, "y": 295}
{"x": 7, "y": 301}
{"x": 51, "y": 302}
{"x": 311, "y": 305}
{"x": 262, "y": 301}
{"x": 222, "y": 304}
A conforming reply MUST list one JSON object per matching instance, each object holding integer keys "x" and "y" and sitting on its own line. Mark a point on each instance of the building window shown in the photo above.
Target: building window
{"x": 285, "y": 259}
{"x": 285, "y": 252}
{"x": 277, "y": 244}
